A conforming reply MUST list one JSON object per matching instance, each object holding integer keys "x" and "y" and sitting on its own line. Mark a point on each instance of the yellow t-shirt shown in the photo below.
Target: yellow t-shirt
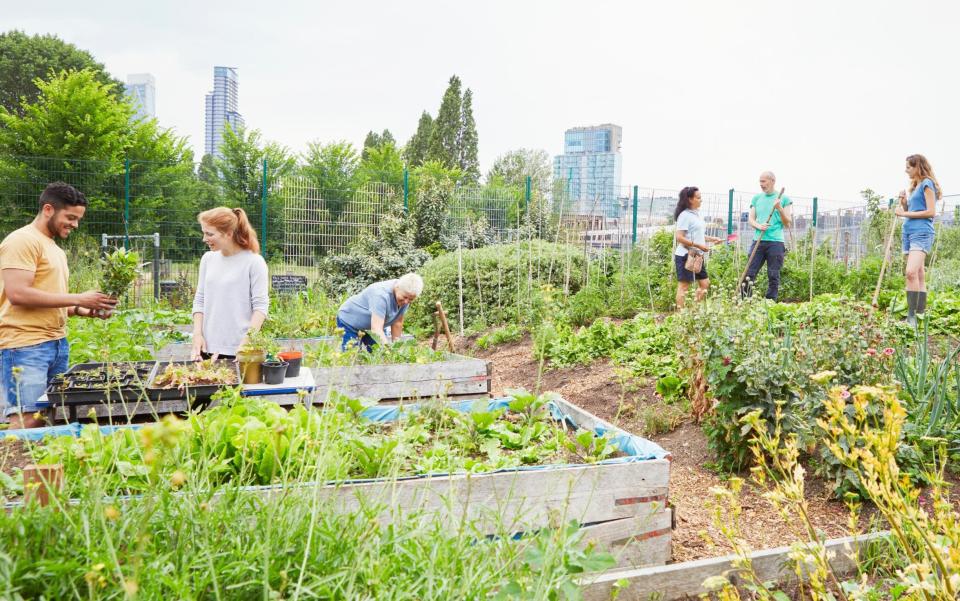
{"x": 28, "y": 249}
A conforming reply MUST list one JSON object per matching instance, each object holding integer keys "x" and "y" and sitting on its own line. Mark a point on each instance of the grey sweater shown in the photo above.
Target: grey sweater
{"x": 229, "y": 290}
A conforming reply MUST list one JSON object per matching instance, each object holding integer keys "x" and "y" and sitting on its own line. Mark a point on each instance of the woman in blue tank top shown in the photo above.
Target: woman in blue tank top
{"x": 918, "y": 206}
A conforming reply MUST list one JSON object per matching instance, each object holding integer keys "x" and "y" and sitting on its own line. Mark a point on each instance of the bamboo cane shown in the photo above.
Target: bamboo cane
{"x": 446, "y": 325}
{"x": 886, "y": 258}
{"x": 756, "y": 245}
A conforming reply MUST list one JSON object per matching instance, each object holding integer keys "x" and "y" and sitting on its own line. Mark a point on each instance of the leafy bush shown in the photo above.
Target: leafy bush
{"x": 758, "y": 356}
{"x": 501, "y": 284}
{"x": 370, "y": 259}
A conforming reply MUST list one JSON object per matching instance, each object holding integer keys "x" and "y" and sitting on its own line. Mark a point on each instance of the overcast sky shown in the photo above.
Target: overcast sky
{"x": 831, "y": 95}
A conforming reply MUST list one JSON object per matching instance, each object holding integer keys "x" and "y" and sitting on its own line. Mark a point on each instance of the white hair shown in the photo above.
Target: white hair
{"x": 410, "y": 283}
{"x": 769, "y": 174}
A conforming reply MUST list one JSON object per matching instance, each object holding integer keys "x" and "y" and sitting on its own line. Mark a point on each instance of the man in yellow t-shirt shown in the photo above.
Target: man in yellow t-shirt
{"x": 34, "y": 305}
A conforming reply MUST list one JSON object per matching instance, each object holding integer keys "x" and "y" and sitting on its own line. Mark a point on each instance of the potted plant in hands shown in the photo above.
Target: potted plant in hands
{"x": 251, "y": 355}
{"x": 120, "y": 269}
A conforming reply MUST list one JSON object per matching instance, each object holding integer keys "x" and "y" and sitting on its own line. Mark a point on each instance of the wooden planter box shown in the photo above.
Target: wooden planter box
{"x": 457, "y": 376}
{"x": 621, "y": 506}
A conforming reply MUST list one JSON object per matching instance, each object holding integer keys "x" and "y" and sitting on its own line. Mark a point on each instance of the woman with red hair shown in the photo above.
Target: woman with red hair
{"x": 232, "y": 296}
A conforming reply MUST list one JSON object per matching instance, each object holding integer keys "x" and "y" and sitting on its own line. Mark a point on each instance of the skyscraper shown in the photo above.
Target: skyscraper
{"x": 590, "y": 167}
{"x": 221, "y": 109}
{"x": 142, "y": 89}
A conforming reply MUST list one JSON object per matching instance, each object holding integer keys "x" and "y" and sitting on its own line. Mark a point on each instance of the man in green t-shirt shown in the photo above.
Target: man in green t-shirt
{"x": 768, "y": 235}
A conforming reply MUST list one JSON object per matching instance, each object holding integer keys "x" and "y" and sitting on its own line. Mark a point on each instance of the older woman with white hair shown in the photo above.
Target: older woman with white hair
{"x": 364, "y": 316}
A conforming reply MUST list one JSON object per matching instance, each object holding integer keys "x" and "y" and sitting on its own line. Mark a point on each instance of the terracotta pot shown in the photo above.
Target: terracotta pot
{"x": 295, "y": 359}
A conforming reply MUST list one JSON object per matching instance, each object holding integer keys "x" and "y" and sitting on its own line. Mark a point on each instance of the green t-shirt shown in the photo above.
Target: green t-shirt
{"x": 763, "y": 206}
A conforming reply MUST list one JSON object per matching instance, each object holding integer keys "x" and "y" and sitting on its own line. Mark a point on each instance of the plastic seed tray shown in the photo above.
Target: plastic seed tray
{"x": 199, "y": 392}
{"x": 89, "y": 383}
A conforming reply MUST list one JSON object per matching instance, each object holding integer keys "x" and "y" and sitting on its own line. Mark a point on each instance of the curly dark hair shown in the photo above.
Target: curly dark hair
{"x": 60, "y": 195}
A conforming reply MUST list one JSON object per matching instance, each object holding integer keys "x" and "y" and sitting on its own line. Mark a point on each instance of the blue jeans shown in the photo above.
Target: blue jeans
{"x": 349, "y": 335}
{"x": 35, "y": 365}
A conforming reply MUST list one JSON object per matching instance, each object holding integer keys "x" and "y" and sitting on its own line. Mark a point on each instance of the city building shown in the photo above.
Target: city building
{"x": 142, "y": 89}
{"x": 221, "y": 109}
{"x": 589, "y": 169}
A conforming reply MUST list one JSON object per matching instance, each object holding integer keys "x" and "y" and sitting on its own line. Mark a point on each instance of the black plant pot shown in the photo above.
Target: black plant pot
{"x": 295, "y": 359}
{"x": 274, "y": 372}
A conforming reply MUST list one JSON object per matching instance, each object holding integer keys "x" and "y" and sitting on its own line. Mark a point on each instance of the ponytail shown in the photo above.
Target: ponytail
{"x": 233, "y": 222}
{"x": 244, "y": 234}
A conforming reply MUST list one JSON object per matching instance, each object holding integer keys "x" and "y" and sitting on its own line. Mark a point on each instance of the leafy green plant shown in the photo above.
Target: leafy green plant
{"x": 327, "y": 354}
{"x": 505, "y": 335}
{"x": 120, "y": 269}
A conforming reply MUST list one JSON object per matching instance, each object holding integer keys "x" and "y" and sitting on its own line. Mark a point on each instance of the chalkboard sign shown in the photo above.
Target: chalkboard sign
{"x": 287, "y": 283}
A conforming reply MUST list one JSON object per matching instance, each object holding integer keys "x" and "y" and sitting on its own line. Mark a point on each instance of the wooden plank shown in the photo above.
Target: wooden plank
{"x": 400, "y": 373}
{"x": 635, "y": 541}
{"x": 681, "y": 580}
{"x": 517, "y": 500}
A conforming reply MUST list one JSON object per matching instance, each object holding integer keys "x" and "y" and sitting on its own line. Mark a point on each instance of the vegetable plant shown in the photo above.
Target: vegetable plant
{"x": 120, "y": 269}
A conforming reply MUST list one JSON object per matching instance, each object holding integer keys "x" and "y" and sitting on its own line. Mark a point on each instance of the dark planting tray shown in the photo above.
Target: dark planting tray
{"x": 113, "y": 383}
{"x": 199, "y": 393}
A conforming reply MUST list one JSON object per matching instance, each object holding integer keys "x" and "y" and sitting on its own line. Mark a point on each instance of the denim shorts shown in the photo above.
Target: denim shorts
{"x": 25, "y": 373}
{"x": 917, "y": 241}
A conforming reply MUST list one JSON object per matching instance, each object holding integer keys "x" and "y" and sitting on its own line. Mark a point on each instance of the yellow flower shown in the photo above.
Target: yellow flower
{"x": 178, "y": 479}
{"x": 130, "y": 587}
{"x": 112, "y": 514}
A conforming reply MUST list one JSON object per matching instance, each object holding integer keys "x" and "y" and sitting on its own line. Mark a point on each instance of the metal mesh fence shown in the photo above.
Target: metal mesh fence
{"x": 301, "y": 223}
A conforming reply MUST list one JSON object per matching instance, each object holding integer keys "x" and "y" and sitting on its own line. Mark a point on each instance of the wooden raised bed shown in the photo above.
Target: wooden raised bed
{"x": 622, "y": 507}
{"x": 457, "y": 376}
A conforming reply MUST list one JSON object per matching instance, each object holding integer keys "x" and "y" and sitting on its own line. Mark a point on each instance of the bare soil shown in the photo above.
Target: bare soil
{"x": 599, "y": 389}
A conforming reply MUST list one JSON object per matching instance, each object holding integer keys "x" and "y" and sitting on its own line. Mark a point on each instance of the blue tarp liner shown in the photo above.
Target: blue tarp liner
{"x": 635, "y": 448}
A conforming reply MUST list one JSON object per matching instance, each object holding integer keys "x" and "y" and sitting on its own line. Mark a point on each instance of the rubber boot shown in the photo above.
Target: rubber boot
{"x": 921, "y": 303}
{"x": 913, "y": 297}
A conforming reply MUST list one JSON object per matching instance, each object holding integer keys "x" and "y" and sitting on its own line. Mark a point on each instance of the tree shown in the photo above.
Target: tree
{"x": 445, "y": 138}
{"x": 24, "y": 59}
{"x": 436, "y": 185}
{"x": 415, "y": 152}
{"x": 515, "y": 166}
{"x": 382, "y": 164}
{"x": 468, "y": 162}
{"x": 333, "y": 169}
{"x": 76, "y": 116}
{"x": 240, "y": 170}
{"x": 375, "y": 140}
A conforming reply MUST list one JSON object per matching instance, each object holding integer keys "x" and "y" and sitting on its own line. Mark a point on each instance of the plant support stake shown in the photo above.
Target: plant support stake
{"x": 886, "y": 256}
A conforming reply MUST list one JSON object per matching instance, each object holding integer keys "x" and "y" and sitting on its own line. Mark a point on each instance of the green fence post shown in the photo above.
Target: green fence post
{"x": 814, "y": 212}
{"x": 633, "y": 238}
{"x": 406, "y": 191}
{"x": 526, "y": 197}
{"x": 730, "y": 213}
{"x": 263, "y": 211}
{"x": 126, "y": 204}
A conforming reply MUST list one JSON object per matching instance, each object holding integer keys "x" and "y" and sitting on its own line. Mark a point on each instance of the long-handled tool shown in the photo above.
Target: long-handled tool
{"x": 886, "y": 257}
{"x": 442, "y": 316}
{"x": 756, "y": 245}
